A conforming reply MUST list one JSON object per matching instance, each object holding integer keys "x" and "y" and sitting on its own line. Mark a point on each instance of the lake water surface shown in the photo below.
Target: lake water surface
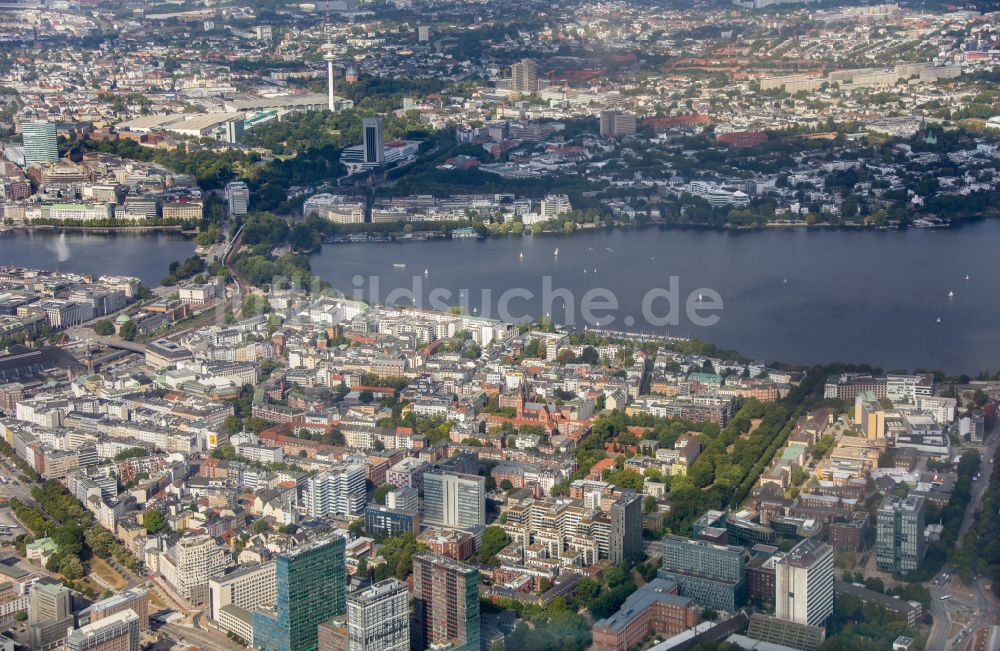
{"x": 788, "y": 294}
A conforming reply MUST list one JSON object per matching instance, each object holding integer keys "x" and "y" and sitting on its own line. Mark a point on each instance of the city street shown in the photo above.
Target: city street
{"x": 965, "y": 610}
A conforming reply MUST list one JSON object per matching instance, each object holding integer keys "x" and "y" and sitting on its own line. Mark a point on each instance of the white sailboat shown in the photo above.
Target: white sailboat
{"x": 939, "y": 319}
{"x": 556, "y": 252}
{"x": 521, "y": 255}
{"x": 951, "y": 294}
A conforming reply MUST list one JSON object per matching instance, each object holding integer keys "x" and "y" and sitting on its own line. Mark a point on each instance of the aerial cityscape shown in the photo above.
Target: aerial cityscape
{"x": 423, "y": 325}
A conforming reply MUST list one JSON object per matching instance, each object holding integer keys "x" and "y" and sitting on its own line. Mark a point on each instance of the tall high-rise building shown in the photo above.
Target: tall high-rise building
{"x": 617, "y": 123}
{"x": 118, "y": 632}
{"x": 899, "y": 534}
{"x": 524, "y": 76}
{"x": 423, "y": 33}
{"x": 238, "y": 196}
{"x": 803, "y": 583}
{"x": 339, "y": 490}
{"x": 311, "y": 586}
{"x": 374, "y": 140}
{"x": 378, "y": 619}
{"x": 454, "y": 499}
{"x": 445, "y": 603}
{"x": 50, "y": 614}
{"x": 190, "y": 563}
{"x": 710, "y": 574}
{"x": 40, "y": 142}
{"x": 626, "y": 529}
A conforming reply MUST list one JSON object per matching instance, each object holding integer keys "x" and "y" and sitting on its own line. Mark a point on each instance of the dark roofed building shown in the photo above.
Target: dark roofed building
{"x": 22, "y": 362}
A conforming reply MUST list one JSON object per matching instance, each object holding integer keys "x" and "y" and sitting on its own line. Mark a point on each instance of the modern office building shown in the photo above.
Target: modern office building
{"x": 378, "y": 619}
{"x": 381, "y": 520}
{"x": 238, "y": 197}
{"x": 712, "y": 575}
{"x": 374, "y": 140}
{"x": 40, "y": 142}
{"x": 118, "y": 632}
{"x": 339, "y": 490}
{"x": 899, "y": 534}
{"x": 626, "y": 529}
{"x": 50, "y": 615}
{"x": 524, "y": 76}
{"x": 403, "y": 499}
{"x": 617, "y": 123}
{"x": 454, "y": 499}
{"x": 445, "y": 604}
{"x": 310, "y": 586}
{"x": 134, "y": 599}
{"x": 803, "y": 583}
{"x": 235, "y": 595}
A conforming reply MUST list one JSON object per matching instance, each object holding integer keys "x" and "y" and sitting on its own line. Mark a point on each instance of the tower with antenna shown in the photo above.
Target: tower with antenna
{"x": 329, "y": 57}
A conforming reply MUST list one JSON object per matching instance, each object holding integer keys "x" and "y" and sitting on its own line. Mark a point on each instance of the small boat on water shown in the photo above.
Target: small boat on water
{"x": 425, "y": 272}
{"x": 966, "y": 276}
{"x": 951, "y": 294}
{"x": 399, "y": 265}
{"x": 521, "y": 255}
{"x": 939, "y": 319}
{"x": 556, "y": 252}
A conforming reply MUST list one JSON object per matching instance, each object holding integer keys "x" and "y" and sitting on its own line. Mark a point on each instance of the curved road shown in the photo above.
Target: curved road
{"x": 982, "y": 609}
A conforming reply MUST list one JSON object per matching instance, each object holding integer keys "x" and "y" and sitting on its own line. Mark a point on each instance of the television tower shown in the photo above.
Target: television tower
{"x": 329, "y": 57}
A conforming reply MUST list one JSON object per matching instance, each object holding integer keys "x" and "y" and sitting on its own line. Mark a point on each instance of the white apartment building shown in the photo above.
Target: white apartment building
{"x": 718, "y": 197}
{"x": 554, "y": 205}
{"x": 337, "y": 491}
{"x": 189, "y": 564}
